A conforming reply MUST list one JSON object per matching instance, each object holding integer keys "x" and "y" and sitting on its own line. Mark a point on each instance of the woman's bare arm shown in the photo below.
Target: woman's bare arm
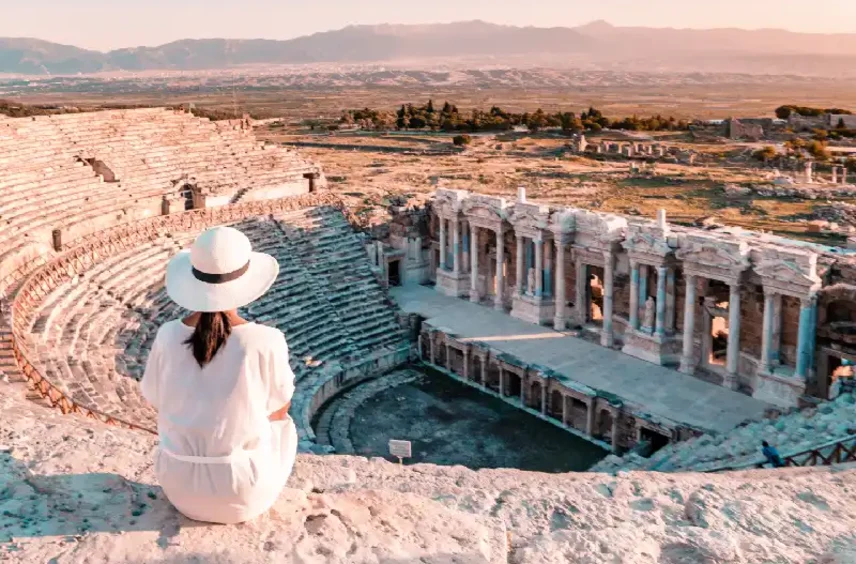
{"x": 280, "y": 414}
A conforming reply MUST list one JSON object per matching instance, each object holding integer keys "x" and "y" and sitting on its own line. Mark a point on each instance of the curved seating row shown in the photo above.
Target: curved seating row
{"x": 91, "y": 335}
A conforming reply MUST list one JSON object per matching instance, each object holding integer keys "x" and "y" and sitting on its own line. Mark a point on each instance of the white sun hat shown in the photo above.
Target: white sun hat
{"x": 219, "y": 272}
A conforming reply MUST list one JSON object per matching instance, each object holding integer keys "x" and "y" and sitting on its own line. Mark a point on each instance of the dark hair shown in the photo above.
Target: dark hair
{"x": 765, "y": 443}
{"x": 211, "y": 332}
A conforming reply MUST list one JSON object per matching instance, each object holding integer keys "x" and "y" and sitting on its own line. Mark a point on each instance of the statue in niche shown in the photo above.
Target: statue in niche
{"x": 650, "y": 313}
{"x": 530, "y": 282}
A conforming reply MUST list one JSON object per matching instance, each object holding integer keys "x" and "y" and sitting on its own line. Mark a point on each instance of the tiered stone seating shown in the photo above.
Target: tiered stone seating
{"x": 53, "y": 165}
{"x": 790, "y": 434}
{"x": 338, "y": 263}
{"x": 92, "y": 335}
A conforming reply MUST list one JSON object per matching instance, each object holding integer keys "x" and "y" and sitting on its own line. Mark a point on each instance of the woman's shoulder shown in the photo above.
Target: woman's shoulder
{"x": 263, "y": 335}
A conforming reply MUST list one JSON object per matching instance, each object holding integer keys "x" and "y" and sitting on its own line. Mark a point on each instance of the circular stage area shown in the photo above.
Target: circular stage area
{"x": 448, "y": 423}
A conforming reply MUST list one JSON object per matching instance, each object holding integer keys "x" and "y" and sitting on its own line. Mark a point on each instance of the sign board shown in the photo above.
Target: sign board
{"x": 399, "y": 449}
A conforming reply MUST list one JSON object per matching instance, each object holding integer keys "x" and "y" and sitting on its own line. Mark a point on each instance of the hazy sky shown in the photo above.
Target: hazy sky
{"x": 107, "y": 24}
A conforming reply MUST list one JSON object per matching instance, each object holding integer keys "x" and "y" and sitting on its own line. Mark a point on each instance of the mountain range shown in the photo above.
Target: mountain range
{"x": 597, "y": 45}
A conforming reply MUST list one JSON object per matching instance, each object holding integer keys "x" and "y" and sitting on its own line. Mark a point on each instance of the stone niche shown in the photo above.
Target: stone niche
{"x": 533, "y": 299}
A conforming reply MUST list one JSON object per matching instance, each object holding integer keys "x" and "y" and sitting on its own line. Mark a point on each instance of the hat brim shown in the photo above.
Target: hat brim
{"x": 194, "y": 295}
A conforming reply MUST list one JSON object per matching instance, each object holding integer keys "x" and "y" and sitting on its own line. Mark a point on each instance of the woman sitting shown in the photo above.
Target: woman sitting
{"x": 221, "y": 385}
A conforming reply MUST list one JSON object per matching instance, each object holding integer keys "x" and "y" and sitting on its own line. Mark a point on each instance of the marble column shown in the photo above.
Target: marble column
{"x": 501, "y": 382}
{"x": 671, "y": 290}
{"x": 483, "y": 365}
{"x": 539, "y": 269}
{"x": 767, "y": 332}
{"x": 806, "y": 339}
{"x": 660, "y": 327}
{"x": 581, "y": 293}
{"x": 643, "y": 284}
{"x": 466, "y": 367}
{"x": 560, "y": 321}
{"x": 607, "y": 338}
{"x": 733, "y": 359}
{"x": 548, "y": 269}
{"x": 687, "y": 364}
{"x": 521, "y": 276}
{"x": 634, "y": 295}
{"x": 776, "y": 346}
{"x": 474, "y": 264}
{"x": 465, "y": 248}
{"x": 442, "y": 244}
{"x": 456, "y": 246}
{"x": 500, "y": 271}
{"x": 543, "y": 399}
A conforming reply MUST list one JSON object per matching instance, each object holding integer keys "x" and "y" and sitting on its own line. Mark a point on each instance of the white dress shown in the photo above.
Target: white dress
{"x": 220, "y": 459}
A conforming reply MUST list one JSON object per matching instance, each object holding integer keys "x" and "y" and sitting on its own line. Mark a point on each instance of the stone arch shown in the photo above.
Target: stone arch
{"x": 514, "y": 383}
{"x": 603, "y": 426}
{"x": 533, "y": 394}
{"x": 476, "y": 365}
{"x": 556, "y": 404}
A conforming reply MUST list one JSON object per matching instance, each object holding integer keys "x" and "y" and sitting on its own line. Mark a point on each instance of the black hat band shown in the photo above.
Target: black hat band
{"x": 220, "y": 278}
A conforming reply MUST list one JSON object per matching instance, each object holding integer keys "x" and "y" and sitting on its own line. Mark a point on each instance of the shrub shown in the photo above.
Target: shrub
{"x": 462, "y": 140}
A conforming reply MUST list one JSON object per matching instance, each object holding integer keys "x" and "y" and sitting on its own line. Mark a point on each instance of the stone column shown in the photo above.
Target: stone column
{"x": 835, "y": 175}
{"x": 805, "y": 342}
{"x": 442, "y": 244}
{"x": 560, "y": 321}
{"x": 456, "y": 246}
{"x": 501, "y": 382}
{"x": 448, "y": 357}
{"x": 548, "y": 269}
{"x": 521, "y": 276}
{"x": 660, "y": 327}
{"x": 687, "y": 364}
{"x": 432, "y": 349}
{"x": 581, "y": 301}
{"x": 590, "y": 415}
{"x": 777, "y": 331}
{"x": 614, "y": 432}
{"x": 767, "y": 331}
{"x": 564, "y": 410}
{"x": 634, "y": 295}
{"x": 643, "y": 284}
{"x": 733, "y": 359}
{"x": 607, "y": 339}
{"x": 466, "y": 370}
{"x": 483, "y": 365}
{"x": 465, "y": 247}
{"x": 539, "y": 269}
{"x": 500, "y": 263}
{"x": 474, "y": 264}
{"x": 544, "y": 398}
{"x": 671, "y": 290}
{"x": 523, "y": 390}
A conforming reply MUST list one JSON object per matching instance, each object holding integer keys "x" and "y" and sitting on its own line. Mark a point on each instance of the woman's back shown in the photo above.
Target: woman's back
{"x": 213, "y": 410}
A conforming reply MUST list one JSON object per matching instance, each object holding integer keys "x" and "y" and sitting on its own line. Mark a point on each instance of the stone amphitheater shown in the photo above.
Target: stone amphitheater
{"x": 472, "y": 287}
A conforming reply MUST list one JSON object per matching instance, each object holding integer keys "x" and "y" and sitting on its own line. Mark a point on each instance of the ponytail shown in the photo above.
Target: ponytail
{"x": 212, "y": 330}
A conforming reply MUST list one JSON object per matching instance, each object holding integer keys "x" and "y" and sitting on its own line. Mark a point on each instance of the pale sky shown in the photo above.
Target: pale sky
{"x": 109, "y": 24}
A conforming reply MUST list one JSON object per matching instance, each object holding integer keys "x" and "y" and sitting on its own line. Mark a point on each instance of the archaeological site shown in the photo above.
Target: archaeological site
{"x": 578, "y": 385}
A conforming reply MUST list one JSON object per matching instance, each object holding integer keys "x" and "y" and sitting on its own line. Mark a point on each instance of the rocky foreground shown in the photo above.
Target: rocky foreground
{"x": 72, "y": 490}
